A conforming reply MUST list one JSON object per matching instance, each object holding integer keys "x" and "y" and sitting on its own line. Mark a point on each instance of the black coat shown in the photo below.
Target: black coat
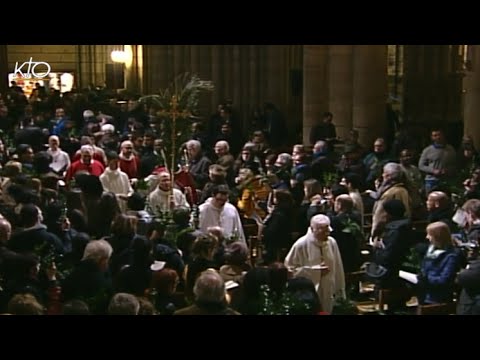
{"x": 27, "y": 241}
{"x": 469, "y": 280}
{"x": 277, "y": 232}
{"x": 199, "y": 170}
{"x": 397, "y": 242}
{"x": 443, "y": 215}
{"x": 348, "y": 242}
{"x": 87, "y": 282}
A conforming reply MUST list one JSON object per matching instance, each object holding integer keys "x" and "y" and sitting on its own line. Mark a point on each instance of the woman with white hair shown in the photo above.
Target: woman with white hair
{"x": 316, "y": 256}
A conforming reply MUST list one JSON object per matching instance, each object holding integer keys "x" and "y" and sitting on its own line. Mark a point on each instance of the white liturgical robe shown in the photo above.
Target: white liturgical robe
{"x": 226, "y": 217}
{"x": 304, "y": 259}
{"x": 159, "y": 199}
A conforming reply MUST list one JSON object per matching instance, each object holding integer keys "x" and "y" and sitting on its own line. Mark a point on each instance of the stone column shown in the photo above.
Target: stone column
{"x": 315, "y": 89}
{"x": 134, "y": 68}
{"x": 216, "y": 72}
{"x": 276, "y": 76}
{"x": 369, "y": 91}
{"x": 340, "y": 81}
{"x": 471, "y": 84}
{"x": 178, "y": 60}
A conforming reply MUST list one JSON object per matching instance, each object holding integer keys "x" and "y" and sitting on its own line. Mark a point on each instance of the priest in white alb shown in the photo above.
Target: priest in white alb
{"x": 163, "y": 198}
{"x": 217, "y": 211}
{"x": 116, "y": 181}
{"x": 316, "y": 256}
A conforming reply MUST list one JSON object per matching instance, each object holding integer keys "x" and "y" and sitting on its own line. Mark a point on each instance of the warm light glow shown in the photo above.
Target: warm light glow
{"x": 128, "y": 55}
{"x": 119, "y": 56}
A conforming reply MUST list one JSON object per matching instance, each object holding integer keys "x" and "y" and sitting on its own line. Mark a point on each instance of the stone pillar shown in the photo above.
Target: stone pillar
{"x": 315, "y": 89}
{"x": 217, "y": 70}
{"x": 178, "y": 60}
{"x": 134, "y": 68}
{"x": 237, "y": 80}
{"x": 340, "y": 82}
{"x": 471, "y": 84}
{"x": 369, "y": 91}
{"x": 275, "y": 71}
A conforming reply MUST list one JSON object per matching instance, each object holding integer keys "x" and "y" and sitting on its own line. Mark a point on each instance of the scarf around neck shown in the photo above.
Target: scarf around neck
{"x": 434, "y": 253}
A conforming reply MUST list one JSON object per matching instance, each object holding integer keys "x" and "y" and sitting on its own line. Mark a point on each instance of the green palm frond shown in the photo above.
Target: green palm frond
{"x": 186, "y": 87}
{"x": 351, "y": 227}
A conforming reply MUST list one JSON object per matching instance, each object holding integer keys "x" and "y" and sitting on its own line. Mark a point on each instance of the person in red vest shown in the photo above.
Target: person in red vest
{"x": 85, "y": 164}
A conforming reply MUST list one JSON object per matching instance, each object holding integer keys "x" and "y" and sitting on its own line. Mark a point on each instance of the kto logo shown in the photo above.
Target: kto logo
{"x": 31, "y": 70}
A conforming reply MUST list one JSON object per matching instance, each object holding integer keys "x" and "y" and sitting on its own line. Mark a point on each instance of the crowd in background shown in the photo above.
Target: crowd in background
{"x": 94, "y": 220}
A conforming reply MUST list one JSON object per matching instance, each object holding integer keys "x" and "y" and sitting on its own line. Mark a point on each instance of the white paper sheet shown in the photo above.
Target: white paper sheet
{"x": 410, "y": 277}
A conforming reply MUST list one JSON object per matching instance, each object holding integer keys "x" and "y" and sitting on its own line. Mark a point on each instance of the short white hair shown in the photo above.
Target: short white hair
{"x": 194, "y": 143}
{"x": 97, "y": 250}
{"x": 123, "y": 304}
{"x": 209, "y": 287}
{"x": 87, "y": 148}
{"x": 284, "y": 159}
{"x": 395, "y": 171}
{"x": 320, "y": 219}
{"x": 108, "y": 128}
{"x": 224, "y": 144}
{"x": 88, "y": 113}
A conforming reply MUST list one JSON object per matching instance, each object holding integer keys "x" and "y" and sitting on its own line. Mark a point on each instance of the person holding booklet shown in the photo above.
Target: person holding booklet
{"x": 316, "y": 257}
{"x": 436, "y": 281}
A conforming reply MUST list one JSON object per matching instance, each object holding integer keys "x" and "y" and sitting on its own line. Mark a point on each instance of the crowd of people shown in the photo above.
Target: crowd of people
{"x": 94, "y": 219}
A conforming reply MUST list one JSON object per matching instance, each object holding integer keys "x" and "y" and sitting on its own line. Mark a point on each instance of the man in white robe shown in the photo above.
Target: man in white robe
{"x": 217, "y": 211}
{"x": 60, "y": 159}
{"x": 162, "y": 199}
{"x": 316, "y": 256}
{"x": 116, "y": 181}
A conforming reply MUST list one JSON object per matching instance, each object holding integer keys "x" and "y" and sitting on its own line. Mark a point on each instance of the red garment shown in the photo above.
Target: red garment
{"x": 130, "y": 167}
{"x": 94, "y": 168}
{"x": 96, "y": 156}
{"x": 54, "y": 306}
